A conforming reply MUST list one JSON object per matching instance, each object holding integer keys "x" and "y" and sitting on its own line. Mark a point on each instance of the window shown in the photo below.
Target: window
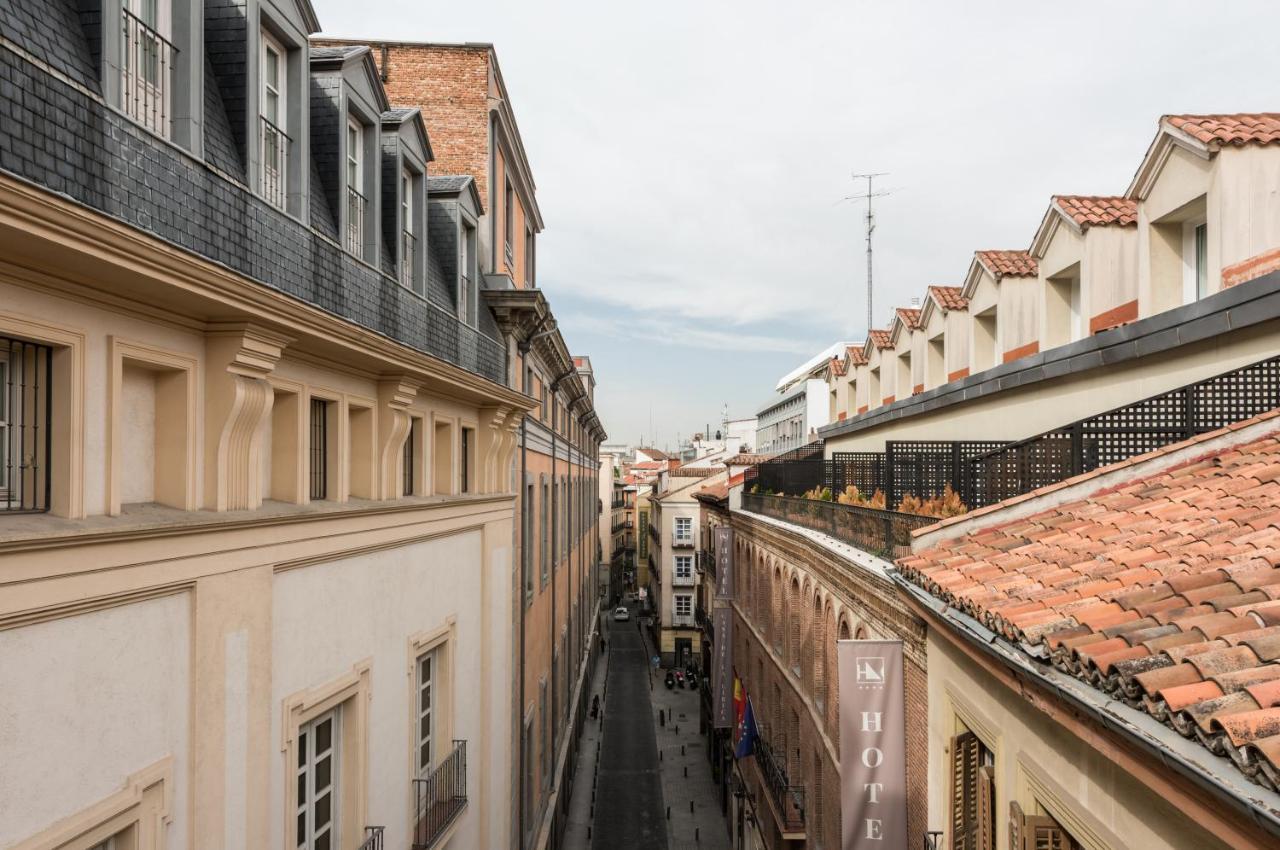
{"x": 973, "y": 794}
{"x": 683, "y": 605}
{"x": 544, "y": 550}
{"x": 274, "y": 180}
{"x": 545, "y": 726}
{"x": 318, "y": 450}
{"x": 316, "y": 775}
{"x": 1195, "y": 260}
{"x": 408, "y": 247}
{"x": 25, "y": 432}
{"x": 509, "y": 220}
{"x": 147, "y": 64}
{"x": 464, "y": 463}
{"x": 410, "y": 472}
{"x": 356, "y": 202}
{"x": 426, "y": 726}
{"x": 466, "y": 275}
{"x": 526, "y": 540}
{"x": 684, "y": 566}
{"x": 684, "y": 529}
{"x": 528, "y": 258}
{"x": 1037, "y": 832}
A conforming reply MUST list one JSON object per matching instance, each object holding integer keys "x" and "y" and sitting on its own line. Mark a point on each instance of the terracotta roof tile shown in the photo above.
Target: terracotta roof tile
{"x": 1158, "y": 591}
{"x": 856, "y": 355}
{"x": 949, "y": 297}
{"x": 1009, "y": 263}
{"x": 880, "y": 339}
{"x": 910, "y": 316}
{"x": 838, "y": 367}
{"x": 1255, "y": 128}
{"x": 1097, "y": 210}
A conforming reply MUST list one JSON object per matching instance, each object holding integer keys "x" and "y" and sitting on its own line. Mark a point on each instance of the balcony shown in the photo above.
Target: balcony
{"x": 145, "y": 74}
{"x": 441, "y": 798}
{"x": 356, "y": 206}
{"x": 683, "y": 621}
{"x": 275, "y": 164}
{"x": 372, "y": 838}
{"x": 689, "y": 579}
{"x": 703, "y": 618}
{"x": 653, "y": 532}
{"x": 707, "y": 562}
{"x": 682, "y": 541}
{"x": 786, "y": 801}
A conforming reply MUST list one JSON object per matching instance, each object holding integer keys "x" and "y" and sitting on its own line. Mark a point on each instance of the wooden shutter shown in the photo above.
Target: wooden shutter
{"x": 964, "y": 790}
{"x": 1016, "y": 826}
{"x": 1043, "y": 833}
{"x": 985, "y": 828}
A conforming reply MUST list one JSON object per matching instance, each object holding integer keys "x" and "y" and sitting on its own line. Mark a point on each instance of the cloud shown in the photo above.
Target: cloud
{"x": 681, "y": 334}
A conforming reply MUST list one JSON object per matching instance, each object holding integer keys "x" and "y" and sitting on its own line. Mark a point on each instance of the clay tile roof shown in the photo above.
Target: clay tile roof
{"x": 949, "y": 297}
{"x": 746, "y": 459}
{"x": 1162, "y": 591}
{"x": 838, "y": 367}
{"x": 880, "y": 339}
{"x": 1098, "y": 210}
{"x": 1256, "y": 128}
{"x": 1009, "y": 263}
{"x": 653, "y": 453}
{"x": 856, "y": 357}
{"x": 910, "y": 316}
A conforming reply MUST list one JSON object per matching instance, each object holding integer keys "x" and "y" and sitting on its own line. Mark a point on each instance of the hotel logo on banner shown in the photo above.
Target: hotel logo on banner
{"x": 873, "y": 745}
{"x": 722, "y": 620}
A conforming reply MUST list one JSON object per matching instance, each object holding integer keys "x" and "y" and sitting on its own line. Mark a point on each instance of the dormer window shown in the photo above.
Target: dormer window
{"x": 146, "y": 64}
{"x": 275, "y": 142}
{"x": 466, "y": 275}
{"x": 356, "y": 202}
{"x": 408, "y": 244}
{"x": 1195, "y": 260}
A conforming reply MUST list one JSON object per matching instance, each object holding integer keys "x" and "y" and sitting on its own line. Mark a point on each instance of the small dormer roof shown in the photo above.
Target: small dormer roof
{"x": 329, "y": 59}
{"x": 1203, "y": 136}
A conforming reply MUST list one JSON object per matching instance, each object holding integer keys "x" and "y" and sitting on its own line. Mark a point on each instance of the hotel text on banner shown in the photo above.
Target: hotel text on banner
{"x": 873, "y": 744}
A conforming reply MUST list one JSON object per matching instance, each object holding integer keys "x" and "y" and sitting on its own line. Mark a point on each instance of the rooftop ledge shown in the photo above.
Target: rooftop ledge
{"x": 37, "y": 530}
{"x": 1236, "y": 308}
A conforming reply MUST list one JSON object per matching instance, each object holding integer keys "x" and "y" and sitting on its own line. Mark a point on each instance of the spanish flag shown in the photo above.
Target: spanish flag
{"x": 739, "y": 706}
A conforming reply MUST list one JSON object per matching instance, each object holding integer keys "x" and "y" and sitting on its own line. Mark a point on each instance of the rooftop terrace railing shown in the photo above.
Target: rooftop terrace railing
{"x": 883, "y": 533}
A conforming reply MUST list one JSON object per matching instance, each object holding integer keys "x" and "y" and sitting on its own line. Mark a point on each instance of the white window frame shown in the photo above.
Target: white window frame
{"x": 687, "y": 524}
{"x": 466, "y": 277}
{"x": 1191, "y": 257}
{"x": 309, "y": 759}
{"x": 162, "y": 24}
{"x": 682, "y": 600}
{"x": 272, "y": 45}
{"x": 407, "y": 237}
{"x": 683, "y": 566}
{"x": 355, "y": 183}
{"x": 426, "y": 707}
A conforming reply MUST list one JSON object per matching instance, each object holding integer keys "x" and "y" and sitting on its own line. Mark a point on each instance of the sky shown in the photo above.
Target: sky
{"x": 692, "y": 158}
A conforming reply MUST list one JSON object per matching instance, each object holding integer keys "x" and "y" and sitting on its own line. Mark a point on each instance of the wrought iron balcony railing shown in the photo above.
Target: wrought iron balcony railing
{"x": 706, "y": 562}
{"x": 372, "y": 838}
{"x": 356, "y": 205}
{"x": 408, "y": 251}
{"x": 275, "y": 164}
{"x": 441, "y": 797}
{"x": 787, "y": 799}
{"x": 682, "y": 541}
{"x": 146, "y": 70}
{"x": 688, "y": 579}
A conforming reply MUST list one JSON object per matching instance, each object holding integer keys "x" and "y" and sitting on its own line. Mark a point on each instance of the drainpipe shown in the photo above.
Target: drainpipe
{"x": 523, "y": 348}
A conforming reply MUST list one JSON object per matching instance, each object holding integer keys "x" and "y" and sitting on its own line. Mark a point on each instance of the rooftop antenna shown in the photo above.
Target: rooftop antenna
{"x": 871, "y": 227}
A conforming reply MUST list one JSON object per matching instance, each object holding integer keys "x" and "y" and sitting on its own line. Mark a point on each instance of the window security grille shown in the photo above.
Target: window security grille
{"x": 26, "y": 402}
{"x": 318, "y": 450}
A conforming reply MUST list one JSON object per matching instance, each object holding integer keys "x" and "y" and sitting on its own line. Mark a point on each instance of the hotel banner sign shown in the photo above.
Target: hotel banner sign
{"x": 873, "y": 745}
{"x": 722, "y": 620}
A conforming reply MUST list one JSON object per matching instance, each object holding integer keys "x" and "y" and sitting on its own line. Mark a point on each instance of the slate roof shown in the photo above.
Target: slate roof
{"x": 1098, "y": 210}
{"x": 448, "y": 183}
{"x": 949, "y": 297}
{"x": 327, "y": 54}
{"x": 1009, "y": 263}
{"x": 1242, "y": 128}
{"x": 1162, "y": 592}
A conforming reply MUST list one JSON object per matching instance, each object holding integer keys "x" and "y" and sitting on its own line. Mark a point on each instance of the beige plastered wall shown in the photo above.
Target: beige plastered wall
{"x": 1025, "y": 411}
{"x": 1042, "y": 766}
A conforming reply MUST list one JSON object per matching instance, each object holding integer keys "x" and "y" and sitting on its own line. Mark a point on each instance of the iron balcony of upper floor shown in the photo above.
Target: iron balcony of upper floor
{"x": 441, "y": 798}
{"x": 681, "y": 542}
{"x": 706, "y": 562}
{"x": 786, "y": 801}
{"x": 688, "y": 580}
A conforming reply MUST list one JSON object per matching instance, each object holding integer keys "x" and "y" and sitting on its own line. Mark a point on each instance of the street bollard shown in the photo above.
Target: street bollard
{"x": 682, "y": 749}
{"x": 659, "y": 755}
{"x": 668, "y": 813}
{"x": 696, "y": 836}
{"x": 691, "y": 807}
{"x": 686, "y": 771}
{"x": 662, "y": 718}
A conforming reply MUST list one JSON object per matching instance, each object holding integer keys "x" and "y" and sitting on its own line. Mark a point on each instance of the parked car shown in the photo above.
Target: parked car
{"x": 621, "y": 614}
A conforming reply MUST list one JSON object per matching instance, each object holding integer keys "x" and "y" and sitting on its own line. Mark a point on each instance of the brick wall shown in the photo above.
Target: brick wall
{"x": 785, "y": 651}
{"x": 450, "y": 84}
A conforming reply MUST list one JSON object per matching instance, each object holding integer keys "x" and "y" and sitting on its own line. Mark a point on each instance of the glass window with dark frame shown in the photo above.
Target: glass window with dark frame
{"x": 408, "y": 242}
{"x": 316, "y": 775}
{"x": 146, "y": 66}
{"x": 356, "y": 202}
{"x": 26, "y": 408}
{"x": 274, "y": 106}
{"x": 317, "y": 450}
{"x": 410, "y": 472}
{"x": 464, "y": 466}
{"x": 428, "y": 669}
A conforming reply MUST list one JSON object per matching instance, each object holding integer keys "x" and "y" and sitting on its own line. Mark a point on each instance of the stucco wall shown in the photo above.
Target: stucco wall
{"x": 87, "y": 700}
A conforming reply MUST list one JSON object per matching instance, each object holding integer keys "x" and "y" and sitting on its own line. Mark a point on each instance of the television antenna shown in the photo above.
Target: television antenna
{"x": 870, "y": 219}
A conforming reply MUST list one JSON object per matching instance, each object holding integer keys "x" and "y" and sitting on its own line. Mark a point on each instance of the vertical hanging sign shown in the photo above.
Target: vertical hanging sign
{"x": 873, "y": 745}
{"x": 722, "y": 620}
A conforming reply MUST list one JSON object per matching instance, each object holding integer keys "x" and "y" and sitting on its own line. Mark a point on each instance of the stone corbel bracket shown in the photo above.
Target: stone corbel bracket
{"x": 494, "y": 460}
{"x": 238, "y": 400}
{"x": 395, "y": 394}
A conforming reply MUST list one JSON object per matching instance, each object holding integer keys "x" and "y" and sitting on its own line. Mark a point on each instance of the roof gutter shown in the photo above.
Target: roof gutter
{"x": 1152, "y": 738}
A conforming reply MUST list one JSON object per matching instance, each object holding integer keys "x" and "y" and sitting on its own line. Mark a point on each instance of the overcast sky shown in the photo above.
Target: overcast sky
{"x": 691, "y": 158}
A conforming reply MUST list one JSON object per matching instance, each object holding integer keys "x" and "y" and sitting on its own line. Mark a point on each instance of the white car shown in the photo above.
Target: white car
{"x": 621, "y": 614}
